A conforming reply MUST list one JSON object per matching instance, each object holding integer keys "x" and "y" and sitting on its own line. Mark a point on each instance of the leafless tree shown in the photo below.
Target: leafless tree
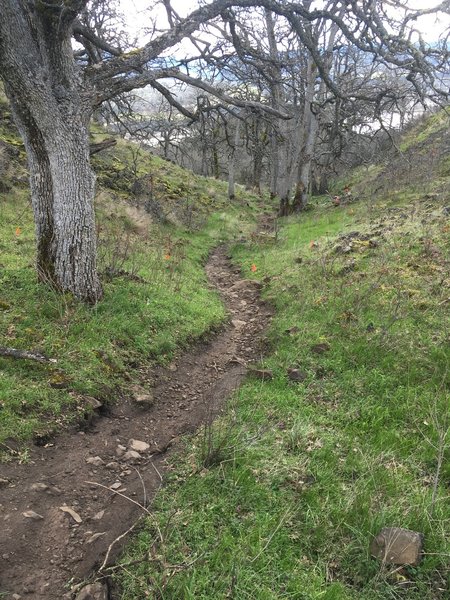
{"x": 54, "y": 89}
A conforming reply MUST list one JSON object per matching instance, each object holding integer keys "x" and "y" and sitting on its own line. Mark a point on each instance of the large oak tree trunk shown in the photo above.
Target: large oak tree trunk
{"x": 52, "y": 114}
{"x": 62, "y": 191}
{"x": 307, "y": 140}
{"x": 311, "y": 124}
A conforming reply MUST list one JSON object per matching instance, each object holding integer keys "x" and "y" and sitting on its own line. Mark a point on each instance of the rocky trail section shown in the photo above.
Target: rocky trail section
{"x": 61, "y": 511}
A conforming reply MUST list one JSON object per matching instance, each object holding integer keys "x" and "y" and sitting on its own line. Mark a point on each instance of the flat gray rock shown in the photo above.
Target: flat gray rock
{"x": 138, "y": 445}
{"x": 131, "y": 455}
{"x": 93, "y": 591}
{"x": 398, "y": 546}
{"x": 96, "y": 461}
{"x": 30, "y": 514}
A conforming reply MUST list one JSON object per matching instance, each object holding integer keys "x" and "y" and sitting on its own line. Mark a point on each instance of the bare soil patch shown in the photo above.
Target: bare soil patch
{"x": 56, "y": 527}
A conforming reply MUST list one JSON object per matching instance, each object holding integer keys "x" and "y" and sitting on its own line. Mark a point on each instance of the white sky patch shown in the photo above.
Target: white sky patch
{"x": 140, "y": 16}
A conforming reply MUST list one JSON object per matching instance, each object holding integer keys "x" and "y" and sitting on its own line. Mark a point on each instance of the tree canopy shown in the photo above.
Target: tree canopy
{"x": 289, "y": 62}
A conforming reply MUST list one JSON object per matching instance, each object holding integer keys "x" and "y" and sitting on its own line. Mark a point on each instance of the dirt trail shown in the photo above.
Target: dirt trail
{"x": 44, "y": 553}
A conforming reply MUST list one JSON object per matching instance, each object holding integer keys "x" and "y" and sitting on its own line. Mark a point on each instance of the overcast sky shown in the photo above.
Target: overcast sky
{"x": 137, "y": 16}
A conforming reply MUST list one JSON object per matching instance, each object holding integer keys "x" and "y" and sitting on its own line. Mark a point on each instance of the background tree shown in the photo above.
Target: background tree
{"x": 54, "y": 90}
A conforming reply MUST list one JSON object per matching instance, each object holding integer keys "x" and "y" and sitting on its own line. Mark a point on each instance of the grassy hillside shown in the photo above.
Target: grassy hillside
{"x": 152, "y": 247}
{"x": 310, "y": 471}
{"x": 419, "y": 165}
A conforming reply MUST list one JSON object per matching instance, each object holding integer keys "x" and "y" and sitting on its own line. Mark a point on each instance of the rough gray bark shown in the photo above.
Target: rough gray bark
{"x": 232, "y": 162}
{"x": 310, "y": 125}
{"x": 46, "y": 95}
{"x": 276, "y": 93}
{"x": 307, "y": 138}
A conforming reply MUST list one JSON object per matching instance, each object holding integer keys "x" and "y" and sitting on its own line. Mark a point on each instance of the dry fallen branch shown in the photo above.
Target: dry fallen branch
{"x": 114, "y": 542}
{"x": 99, "y": 146}
{"x": 14, "y": 353}
{"x": 105, "y": 562}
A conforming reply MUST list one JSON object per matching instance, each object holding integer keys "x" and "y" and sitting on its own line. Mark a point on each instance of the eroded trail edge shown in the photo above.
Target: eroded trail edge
{"x": 43, "y": 549}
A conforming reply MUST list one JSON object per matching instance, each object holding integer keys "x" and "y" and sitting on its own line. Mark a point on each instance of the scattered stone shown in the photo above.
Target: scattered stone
{"x": 237, "y": 360}
{"x": 16, "y": 597}
{"x": 398, "y": 546}
{"x": 30, "y": 514}
{"x": 98, "y": 516}
{"x": 94, "y": 537}
{"x": 93, "y": 403}
{"x": 39, "y": 487}
{"x": 94, "y": 591}
{"x": 245, "y": 284}
{"x": 120, "y": 450}
{"x": 237, "y": 324}
{"x": 3, "y": 482}
{"x": 320, "y": 348}
{"x": 95, "y": 460}
{"x": 296, "y": 375}
{"x": 116, "y": 486}
{"x": 264, "y": 374}
{"x": 144, "y": 398}
{"x": 75, "y": 516}
{"x": 138, "y": 446}
{"x": 131, "y": 455}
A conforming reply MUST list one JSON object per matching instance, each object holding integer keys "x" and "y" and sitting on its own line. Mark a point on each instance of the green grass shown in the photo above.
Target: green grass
{"x": 424, "y": 128}
{"x": 156, "y": 296}
{"x": 304, "y": 474}
{"x": 309, "y": 472}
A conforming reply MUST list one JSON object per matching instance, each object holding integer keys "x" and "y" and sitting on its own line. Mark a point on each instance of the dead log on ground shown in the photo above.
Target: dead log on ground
{"x": 99, "y": 146}
{"x": 14, "y": 353}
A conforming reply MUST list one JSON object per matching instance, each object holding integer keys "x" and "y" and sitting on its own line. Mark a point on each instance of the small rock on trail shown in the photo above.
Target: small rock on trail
{"x": 34, "y": 516}
{"x": 131, "y": 455}
{"x": 95, "y": 460}
{"x": 94, "y": 591}
{"x": 138, "y": 446}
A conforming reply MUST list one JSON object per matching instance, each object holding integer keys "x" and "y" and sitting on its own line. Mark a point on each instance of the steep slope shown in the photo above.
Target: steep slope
{"x": 417, "y": 165}
{"x": 348, "y": 429}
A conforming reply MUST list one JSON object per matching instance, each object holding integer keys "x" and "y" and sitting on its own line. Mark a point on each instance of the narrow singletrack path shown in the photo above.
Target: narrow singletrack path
{"x": 46, "y": 551}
